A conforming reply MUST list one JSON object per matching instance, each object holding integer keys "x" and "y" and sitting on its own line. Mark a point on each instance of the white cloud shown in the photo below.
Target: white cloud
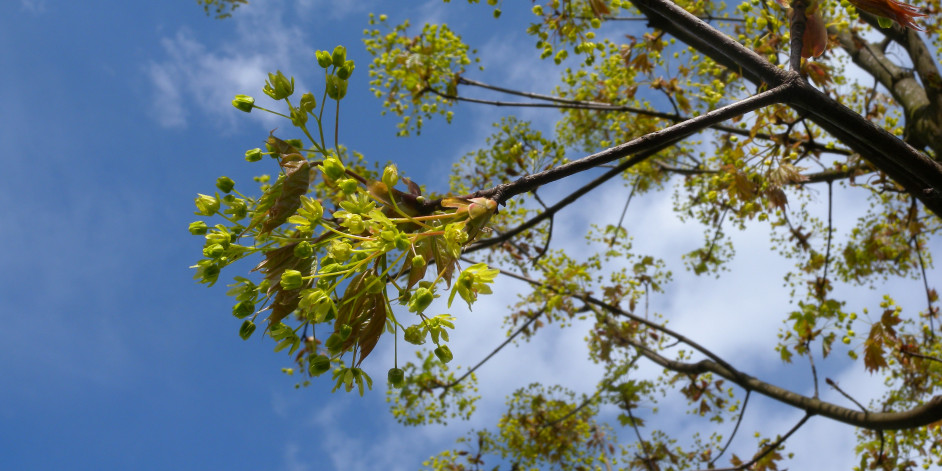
{"x": 194, "y": 81}
{"x": 33, "y": 6}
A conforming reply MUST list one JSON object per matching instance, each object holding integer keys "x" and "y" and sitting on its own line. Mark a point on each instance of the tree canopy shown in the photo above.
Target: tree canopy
{"x": 752, "y": 114}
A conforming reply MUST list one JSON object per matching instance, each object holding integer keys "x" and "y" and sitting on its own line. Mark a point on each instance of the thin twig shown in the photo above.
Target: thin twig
{"x": 742, "y": 412}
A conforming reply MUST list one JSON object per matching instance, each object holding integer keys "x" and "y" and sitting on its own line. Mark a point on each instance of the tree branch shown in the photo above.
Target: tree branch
{"x": 918, "y": 416}
{"x": 913, "y": 170}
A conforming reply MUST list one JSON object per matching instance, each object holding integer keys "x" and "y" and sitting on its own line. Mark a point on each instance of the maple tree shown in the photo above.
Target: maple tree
{"x": 740, "y": 109}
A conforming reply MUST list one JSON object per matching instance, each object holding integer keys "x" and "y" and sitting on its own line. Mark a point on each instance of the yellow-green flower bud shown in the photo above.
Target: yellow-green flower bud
{"x": 336, "y": 87}
{"x": 339, "y": 56}
{"x": 420, "y": 300}
{"x": 345, "y": 331}
{"x": 348, "y": 186}
{"x": 244, "y": 103}
{"x": 206, "y": 205}
{"x": 213, "y": 251}
{"x": 339, "y": 251}
{"x": 396, "y": 377}
{"x": 318, "y": 365}
{"x": 245, "y": 331}
{"x": 444, "y": 354}
{"x": 346, "y": 70}
{"x": 303, "y": 249}
{"x": 333, "y": 343}
{"x": 278, "y": 86}
{"x": 538, "y": 10}
{"x": 373, "y": 284}
{"x": 198, "y": 228}
{"x": 332, "y": 168}
{"x": 390, "y": 176}
{"x": 414, "y": 335}
{"x": 298, "y": 117}
{"x": 243, "y": 309}
{"x": 323, "y": 59}
{"x": 253, "y": 155}
{"x": 355, "y": 223}
{"x": 291, "y": 279}
{"x": 418, "y": 262}
{"x": 308, "y": 102}
{"x": 225, "y": 184}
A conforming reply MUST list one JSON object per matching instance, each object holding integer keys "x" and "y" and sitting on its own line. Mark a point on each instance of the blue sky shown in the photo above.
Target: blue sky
{"x": 114, "y": 114}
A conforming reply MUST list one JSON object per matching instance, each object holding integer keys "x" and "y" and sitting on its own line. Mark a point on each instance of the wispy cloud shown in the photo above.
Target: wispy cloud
{"x": 33, "y": 6}
{"x": 196, "y": 81}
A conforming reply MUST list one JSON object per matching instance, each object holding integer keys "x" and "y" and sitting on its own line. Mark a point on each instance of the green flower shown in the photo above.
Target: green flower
{"x": 390, "y": 176}
{"x": 225, "y": 184}
{"x": 333, "y": 168}
{"x": 244, "y": 103}
{"x": 308, "y": 102}
{"x": 278, "y": 87}
{"x": 336, "y": 87}
{"x": 298, "y": 117}
{"x": 303, "y": 249}
{"x": 346, "y": 70}
{"x": 396, "y": 377}
{"x": 291, "y": 279}
{"x": 323, "y": 59}
{"x": 253, "y": 155}
{"x": 246, "y": 330}
{"x": 318, "y": 365}
{"x": 206, "y": 205}
{"x": 420, "y": 300}
{"x": 339, "y": 56}
{"x": 414, "y": 334}
{"x": 473, "y": 281}
{"x": 243, "y": 309}
{"x": 444, "y": 354}
{"x": 198, "y": 228}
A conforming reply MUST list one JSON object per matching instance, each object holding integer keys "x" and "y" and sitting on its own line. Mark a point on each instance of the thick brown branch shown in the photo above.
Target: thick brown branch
{"x": 913, "y": 170}
{"x": 915, "y": 417}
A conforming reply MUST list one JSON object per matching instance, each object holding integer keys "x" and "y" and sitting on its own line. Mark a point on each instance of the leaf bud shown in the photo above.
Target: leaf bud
{"x": 206, "y": 205}
{"x": 390, "y": 176}
{"x": 291, "y": 279}
{"x": 198, "y": 228}
{"x": 318, "y": 365}
{"x": 243, "y": 309}
{"x": 420, "y": 300}
{"x": 225, "y": 184}
{"x": 346, "y": 70}
{"x": 244, "y": 103}
{"x": 332, "y": 168}
{"x": 303, "y": 249}
{"x": 253, "y": 155}
{"x": 444, "y": 353}
{"x": 396, "y": 376}
{"x": 308, "y": 102}
{"x": 339, "y": 56}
